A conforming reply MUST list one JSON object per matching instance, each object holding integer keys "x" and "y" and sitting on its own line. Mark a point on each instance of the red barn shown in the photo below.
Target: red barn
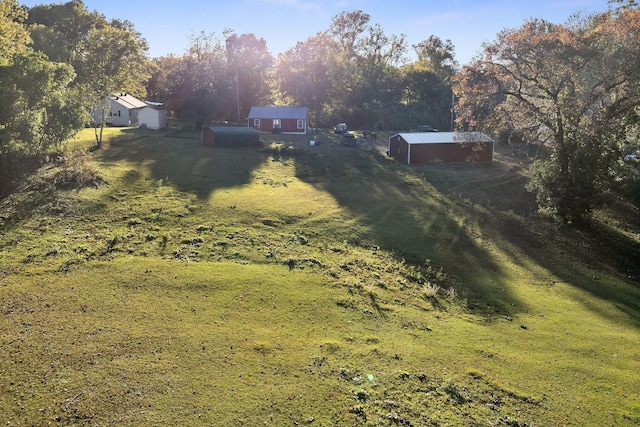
{"x": 279, "y": 119}
{"x": 445, "y": 147}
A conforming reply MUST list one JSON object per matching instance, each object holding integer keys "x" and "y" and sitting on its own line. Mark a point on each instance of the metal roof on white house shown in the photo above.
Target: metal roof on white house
{"x": 278, "y": 112}
{"x": 128, "y": 101}
{"x": 443, "y": 137}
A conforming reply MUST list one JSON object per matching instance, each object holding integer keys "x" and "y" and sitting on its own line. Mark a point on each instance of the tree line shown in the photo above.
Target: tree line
{"x": 353, "y": 72}
{"x": 570, "y": 90}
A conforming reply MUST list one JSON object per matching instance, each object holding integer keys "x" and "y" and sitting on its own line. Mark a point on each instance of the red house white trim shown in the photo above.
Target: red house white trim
{"x": 279, "y": 119}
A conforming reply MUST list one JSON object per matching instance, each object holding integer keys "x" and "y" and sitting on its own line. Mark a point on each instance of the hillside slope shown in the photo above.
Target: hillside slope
{"x": 298, "y": 284}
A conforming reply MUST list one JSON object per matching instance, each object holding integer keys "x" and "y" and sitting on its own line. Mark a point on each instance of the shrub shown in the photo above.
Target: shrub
{"x": 430, "y": 290}
{"x": 76, "y": 171}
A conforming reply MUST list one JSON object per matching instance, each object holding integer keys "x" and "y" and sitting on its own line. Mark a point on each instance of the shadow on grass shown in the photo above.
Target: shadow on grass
{"x": 439, "y": 214}
{"x": 445, "y": 213}
{"x": 593, "y": 257}
{"x": 407, "y": 216}
{"x": 404, "y": 213}
{"x": 184, "y": 162}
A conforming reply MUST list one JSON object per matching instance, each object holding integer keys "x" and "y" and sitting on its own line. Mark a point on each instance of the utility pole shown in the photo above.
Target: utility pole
{"x": 453, "y": 100}
{"x": 238, "y": 95}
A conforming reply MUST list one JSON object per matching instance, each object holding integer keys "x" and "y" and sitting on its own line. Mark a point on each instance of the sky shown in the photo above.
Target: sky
{"x": 168, "y": 24}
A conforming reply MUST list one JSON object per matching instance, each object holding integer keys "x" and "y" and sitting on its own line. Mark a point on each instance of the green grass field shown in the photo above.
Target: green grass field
{"x": 308, "y": 285}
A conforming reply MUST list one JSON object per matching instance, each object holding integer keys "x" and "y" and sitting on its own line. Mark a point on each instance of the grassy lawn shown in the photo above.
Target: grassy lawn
{"x": 308, "y": 285}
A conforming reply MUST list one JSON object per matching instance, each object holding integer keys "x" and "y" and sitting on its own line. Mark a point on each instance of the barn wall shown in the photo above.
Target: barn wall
{"x": 286, "y": 125}
{"x": 289, "y": 125}
{"x": 233, "y": 140}
{"x": 208, "y": 138}
{"x": 266, "y": 125}
{"x": 229, "y": 138}
{"x": 399, "y": 149}
{"x": 452, "y": 152}
{"x": 393, "y": 146}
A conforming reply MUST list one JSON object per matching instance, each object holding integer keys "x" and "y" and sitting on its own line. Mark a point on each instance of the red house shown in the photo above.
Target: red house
{"x": 444, "y": 147}
{"x": 279, "y": 119}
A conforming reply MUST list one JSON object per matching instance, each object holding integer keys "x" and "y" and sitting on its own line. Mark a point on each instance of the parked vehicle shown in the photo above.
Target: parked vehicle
{"x": 340, "y": 128}
{"x": 426, "y": 128}
{"x": 348, "y": 139}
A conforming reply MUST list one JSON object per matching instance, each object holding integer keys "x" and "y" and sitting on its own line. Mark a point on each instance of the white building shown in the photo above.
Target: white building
{"x": 127, "y": 110}
{"x": 152, "y": 116}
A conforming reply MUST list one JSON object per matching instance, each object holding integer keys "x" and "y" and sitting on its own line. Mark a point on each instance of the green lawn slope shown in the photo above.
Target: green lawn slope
{"x": 160, "y": 282}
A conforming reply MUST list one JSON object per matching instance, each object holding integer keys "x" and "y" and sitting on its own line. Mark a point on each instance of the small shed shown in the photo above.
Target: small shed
{"x": 445, "y": 147}
{"x": 152, "y": 116}
{"x": 229, "y": 136}
{"x": 292, "y": 120}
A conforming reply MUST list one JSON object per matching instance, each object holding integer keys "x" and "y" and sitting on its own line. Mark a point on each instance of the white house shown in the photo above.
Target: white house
{"x": 152, "y": 116}
{"x": 123, "y": 110}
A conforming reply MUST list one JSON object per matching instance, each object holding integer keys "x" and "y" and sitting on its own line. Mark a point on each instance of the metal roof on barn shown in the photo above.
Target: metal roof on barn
{"x": 272, "y": 112}
{"x": 233, "y": 130}
{"x": 443, "y": 137}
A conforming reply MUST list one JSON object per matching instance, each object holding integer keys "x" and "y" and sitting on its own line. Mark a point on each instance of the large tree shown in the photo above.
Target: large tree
{"x": 59, "y": 29}
{"x": 194, "y": 86}
{"x": 302, "y": 73}
{"x": 427, "y": 82}
{"x": 364, "y": 69}
{"x": 113, "y": 60}
{"x": 107, "y": 56}
{"x": 427, "y": 97}
{"x": 438, "y": 57}
{"x": 14, "y": 37}
{"x": 250, "y": 63}
{"x": 38, "y": 111}
{"x": 572, "y": 88}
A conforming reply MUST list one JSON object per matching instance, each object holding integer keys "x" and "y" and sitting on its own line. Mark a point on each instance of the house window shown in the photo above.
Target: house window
{"x": 256, "y": 123}
{"x": 300, "y": 123}
{"x": 276, "y": 123}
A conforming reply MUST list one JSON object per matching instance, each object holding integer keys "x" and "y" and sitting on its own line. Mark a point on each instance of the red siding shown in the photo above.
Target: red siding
{"x": 208, "y": 137}
{"x": 398, "y": 148}
{"x": 286, "y": 125}
{"x": 266, "y": 125}
{"x": 440, "y": 152}
{"x": 452, "y": 152}
{"x": 290, "y": 125}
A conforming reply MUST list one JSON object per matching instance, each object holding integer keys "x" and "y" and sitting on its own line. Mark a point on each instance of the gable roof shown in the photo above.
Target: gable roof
{"x": 278, "y": 113}
{"x": 127, "y": 101}
{"x": 443, "y": 137}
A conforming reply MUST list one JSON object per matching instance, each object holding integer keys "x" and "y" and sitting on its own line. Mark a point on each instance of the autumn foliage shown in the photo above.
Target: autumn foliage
{"x": 571, "y": 89}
